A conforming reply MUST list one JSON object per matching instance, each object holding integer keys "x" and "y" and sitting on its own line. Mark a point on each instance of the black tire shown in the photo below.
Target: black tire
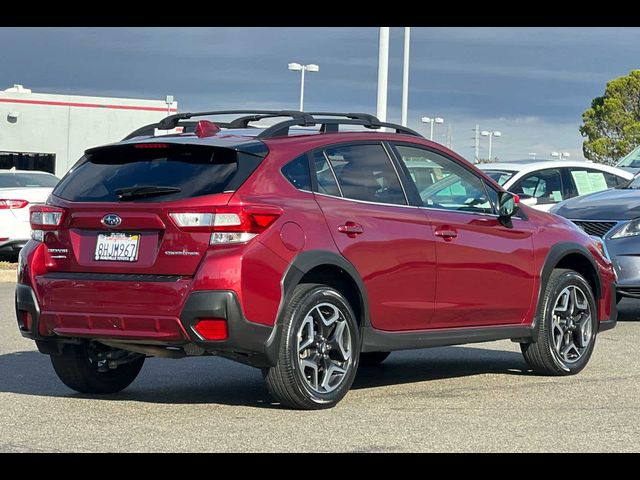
{"x": 78, "y": 372}
{"x": 371, "y": 359}
{"x": 541, "y": 356}
{"x": 287, "y": 381}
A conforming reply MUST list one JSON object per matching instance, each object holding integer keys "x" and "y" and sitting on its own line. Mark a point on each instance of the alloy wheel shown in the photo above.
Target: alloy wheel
{"x": 324, "y": 348}
{"x": 571, "y": 324}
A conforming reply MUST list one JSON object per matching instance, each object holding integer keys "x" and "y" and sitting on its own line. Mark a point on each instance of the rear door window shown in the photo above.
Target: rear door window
{"x": 190, "y": 170}
{"x": 365, "y": 172}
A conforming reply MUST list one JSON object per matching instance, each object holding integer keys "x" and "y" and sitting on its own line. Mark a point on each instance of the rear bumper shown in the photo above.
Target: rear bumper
{"x": 246, "y": 341}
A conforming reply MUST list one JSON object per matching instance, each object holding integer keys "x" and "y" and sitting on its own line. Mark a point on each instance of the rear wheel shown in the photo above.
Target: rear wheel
{"x": 85, "y": 368}
{"x": 318, "y": 354}
{"x": 371, "y": 359}
{"x": 567, "y": 326}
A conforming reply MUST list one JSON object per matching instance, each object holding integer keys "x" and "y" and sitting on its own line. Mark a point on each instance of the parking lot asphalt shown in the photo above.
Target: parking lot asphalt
{"x": 468, "y": 398}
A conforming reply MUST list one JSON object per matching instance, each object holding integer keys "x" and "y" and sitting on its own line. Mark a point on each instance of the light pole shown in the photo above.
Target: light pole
{"x": 432, "y": 120}
{"x": 560, "y": 155}
{"x": 405, "y": 76}
{"x": 487, "y": 133}
{"x": 383, "y": 73}
{"x": 295, "y": 67}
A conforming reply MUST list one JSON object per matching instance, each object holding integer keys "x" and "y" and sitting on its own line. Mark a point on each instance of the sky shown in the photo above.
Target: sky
{"x": 531, "y": 84}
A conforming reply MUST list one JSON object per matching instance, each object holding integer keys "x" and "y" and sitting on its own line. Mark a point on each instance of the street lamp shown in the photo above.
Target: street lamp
{"x": 295, "y": 67}
{"x": 432, "y": 121}
{"x": 560, "y": 155}
{"x": 487, "y": 133}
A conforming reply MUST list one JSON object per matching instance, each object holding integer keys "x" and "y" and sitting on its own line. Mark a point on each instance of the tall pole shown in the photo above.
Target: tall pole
{"x": 302, "y": 89}
{"x": 490, "y": 137}
{"x": 477, "y": 143}
{"x": 405, "y": 76}
{"x": 383, "y": 73}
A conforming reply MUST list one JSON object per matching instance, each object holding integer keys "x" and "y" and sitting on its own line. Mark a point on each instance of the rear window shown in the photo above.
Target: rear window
{"x": 194, "y": 170}
{"x": 26, "y": 180}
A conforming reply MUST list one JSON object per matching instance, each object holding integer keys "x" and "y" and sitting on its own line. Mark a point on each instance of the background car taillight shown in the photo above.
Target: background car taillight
{"x": 228, "y": 224}
{"x": 44, "y": 218}
{"x": 12, "y": 204}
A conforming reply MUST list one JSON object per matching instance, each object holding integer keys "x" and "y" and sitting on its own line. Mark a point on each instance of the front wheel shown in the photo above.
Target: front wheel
{"x": 84, "y": 368}
{"x": 567, "y": 324}
{"x": 319, "y": 350}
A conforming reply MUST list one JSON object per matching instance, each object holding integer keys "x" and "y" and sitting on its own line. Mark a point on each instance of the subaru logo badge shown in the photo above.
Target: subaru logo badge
{"x": 111, "y": 220}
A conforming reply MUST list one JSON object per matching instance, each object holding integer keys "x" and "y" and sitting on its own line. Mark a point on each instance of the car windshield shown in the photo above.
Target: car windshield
{"x": 500, "y": 176}
{"x": 634, "y": 183}
{"x": 27, "y": 180}
{"x": 632, "y": 159}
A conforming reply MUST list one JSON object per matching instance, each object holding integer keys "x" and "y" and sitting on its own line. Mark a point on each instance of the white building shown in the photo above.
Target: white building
{"x": 49, "y": 132}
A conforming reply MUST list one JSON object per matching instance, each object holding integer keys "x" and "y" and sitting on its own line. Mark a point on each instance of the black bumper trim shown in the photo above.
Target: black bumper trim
{"x": 246, "y": 341}
{"x": 605, "y": 325}
{"x": 26, "y": 301}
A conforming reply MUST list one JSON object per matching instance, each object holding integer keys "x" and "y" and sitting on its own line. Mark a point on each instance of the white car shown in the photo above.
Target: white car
{"x": 18, "y": 190}
{"x": 541, "y": 184}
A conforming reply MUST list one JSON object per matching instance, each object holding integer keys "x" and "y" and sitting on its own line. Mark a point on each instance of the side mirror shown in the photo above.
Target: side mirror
{"x": 507, "y": 207}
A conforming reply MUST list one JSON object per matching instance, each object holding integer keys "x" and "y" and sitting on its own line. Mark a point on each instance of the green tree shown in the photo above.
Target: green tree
{"x": 612, "y": 124}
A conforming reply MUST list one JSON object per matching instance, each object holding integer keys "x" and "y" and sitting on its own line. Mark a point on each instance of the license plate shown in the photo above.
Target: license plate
{"x": 117, "y": 247}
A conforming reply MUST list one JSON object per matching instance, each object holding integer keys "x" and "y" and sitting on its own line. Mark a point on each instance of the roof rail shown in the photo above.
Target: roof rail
{"x": 171, "y": 121}
{"x": 297, "y": 118}
{"x": 332, "y": 124}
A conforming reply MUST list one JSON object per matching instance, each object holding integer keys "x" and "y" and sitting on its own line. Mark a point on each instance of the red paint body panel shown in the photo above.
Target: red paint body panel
{"x": 486, "y": 274}
{"x": 414, "y": 280}
{"x": 395, "y": 256}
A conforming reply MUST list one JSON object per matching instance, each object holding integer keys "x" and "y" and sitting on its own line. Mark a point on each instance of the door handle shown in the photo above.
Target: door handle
{"x": 351, "y": 229}
{"x": 447, "y": 234}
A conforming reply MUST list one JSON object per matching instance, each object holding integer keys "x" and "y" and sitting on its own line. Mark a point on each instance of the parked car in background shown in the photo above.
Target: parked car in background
{"x": 542, "y": 184}
{"x": 305, "y": 254}
{"x": 631, "y": 161}
{"x": 614, "y": 216}
{"x": 18, "y": 190}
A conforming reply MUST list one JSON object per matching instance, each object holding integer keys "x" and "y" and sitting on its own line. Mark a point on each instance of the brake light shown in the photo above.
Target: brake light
{"x": 11, "y": 204}
{"x": 229, "y": 224}
{"x": 151, "y": 145}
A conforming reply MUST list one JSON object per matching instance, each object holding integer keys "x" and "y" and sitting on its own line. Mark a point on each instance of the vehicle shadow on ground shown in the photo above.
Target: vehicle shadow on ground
{"x": 216, "y": 380}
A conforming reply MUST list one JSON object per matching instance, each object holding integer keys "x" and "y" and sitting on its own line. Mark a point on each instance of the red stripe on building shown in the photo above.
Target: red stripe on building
{"x": 86, "y": 105}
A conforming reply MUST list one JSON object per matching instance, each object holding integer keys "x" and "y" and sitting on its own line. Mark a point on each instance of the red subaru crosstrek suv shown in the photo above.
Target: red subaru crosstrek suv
{"x": 299, "y": 249}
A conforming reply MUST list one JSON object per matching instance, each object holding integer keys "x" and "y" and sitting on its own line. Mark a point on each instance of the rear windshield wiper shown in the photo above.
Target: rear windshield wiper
{"x": 131, "y": 193}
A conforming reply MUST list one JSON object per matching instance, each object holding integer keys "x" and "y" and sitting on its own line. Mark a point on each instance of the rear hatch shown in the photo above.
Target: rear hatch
{"x": 117, "y": 205}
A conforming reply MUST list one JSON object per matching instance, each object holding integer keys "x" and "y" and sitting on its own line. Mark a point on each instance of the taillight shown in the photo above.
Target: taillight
{"x": 11, "y": 204}
{"x": 229, "y": 224}
{"x": 43, "y": 218}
